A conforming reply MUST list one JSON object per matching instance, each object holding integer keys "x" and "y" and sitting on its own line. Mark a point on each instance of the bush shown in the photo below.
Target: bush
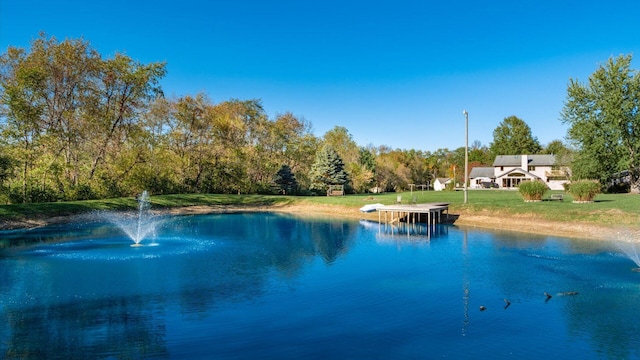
{"x": 584, "y": 190}
{"x": 532, "y": 190}
{"x": 79, "y": 192}
{"x": 35, "y": 194}
{"x": 450, "y": 186}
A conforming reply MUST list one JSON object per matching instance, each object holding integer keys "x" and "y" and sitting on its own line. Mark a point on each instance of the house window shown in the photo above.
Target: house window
{"x": 512, "y": 182}
{"x": 501, "y": 168}
{"x": 532, "y": 168}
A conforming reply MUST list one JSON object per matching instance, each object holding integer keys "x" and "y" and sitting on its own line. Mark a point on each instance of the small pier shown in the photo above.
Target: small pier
{"x": 432, "y": 213}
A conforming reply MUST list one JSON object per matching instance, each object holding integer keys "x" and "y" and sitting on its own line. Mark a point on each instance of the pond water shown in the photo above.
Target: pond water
{"x": 271, "y": 286}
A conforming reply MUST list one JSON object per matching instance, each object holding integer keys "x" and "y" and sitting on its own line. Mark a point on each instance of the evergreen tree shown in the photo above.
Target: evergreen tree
{"x": 328, "y": 169}
{"x": 286, "y": 180}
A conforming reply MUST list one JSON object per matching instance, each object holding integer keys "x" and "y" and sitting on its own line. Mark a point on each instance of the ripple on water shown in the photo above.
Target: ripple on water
{"x": 120, "y": 249}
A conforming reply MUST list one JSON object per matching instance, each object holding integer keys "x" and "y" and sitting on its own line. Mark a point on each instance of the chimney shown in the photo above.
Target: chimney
{"x": 524, "y": 162}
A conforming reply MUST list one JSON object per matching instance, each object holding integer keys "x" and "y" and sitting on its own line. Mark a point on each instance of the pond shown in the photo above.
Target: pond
{"x": 272, "y": 286}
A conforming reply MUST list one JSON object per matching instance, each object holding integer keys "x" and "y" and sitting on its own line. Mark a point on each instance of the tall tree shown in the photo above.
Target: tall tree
{"x": 328, "y": 169}
{"x": 479, "y": 154}
{"x": 513, "y": 137}
{"x": 237, "y": 125}
{"x": 341, "y": 140}
{"x": 69, "y": 110}
{"x": 286, "y": 180}
{"x": 555, "y": 147}
{"x": 282, "y": 141}
{"x": 43, "y": 95}
{"x": 120, "y": 95}
{"x": 604, "y": 122}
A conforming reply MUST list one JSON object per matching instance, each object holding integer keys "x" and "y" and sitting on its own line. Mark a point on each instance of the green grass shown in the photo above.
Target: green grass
{"x": 608, "y": 209}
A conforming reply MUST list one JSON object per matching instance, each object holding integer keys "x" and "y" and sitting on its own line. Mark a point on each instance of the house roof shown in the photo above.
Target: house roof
{"x": 443, "y": 180}
{"x": 516, "y": 160}
{"x": 481, "y": 171}
{"x": 526, "y": 173}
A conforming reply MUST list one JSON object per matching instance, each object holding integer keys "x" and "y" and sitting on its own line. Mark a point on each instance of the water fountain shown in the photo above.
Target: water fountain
{"x": 143, "y": 212}
{"x": 139, "y": 225}
{"x": 631, "y": 250}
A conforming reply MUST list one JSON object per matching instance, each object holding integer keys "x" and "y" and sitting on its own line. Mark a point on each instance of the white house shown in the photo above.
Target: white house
{"x": 440, "y": 184}
{"x": 510, "y": 170}
{"x": 482, "y": 178}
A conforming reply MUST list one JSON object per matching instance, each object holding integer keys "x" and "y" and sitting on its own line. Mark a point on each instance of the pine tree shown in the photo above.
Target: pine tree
{"x": 328, "y": 169}
{"x": 286, "y": 180}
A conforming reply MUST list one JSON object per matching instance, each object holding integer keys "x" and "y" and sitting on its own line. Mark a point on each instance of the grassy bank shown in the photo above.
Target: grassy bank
{"x": 22, "y": 212}
{"x": 607, "y": 210}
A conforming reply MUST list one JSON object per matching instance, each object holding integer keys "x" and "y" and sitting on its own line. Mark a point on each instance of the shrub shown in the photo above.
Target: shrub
{"x": 79, "y": 192}
{"x": 450, "y": 186}
{"x": 532, "y": 190}
{"x": 34, "y": 194}
{"x": 584, "y": 190}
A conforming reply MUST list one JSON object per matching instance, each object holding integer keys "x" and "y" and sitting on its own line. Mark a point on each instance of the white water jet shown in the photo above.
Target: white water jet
{"x": 632, "y": 252}
{"x": 137, "y": 226}
{"x": 143, "y": 215}
{"x": 628, "y": 241}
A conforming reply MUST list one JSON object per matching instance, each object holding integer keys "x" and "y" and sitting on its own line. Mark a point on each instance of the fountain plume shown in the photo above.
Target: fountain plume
{"x": 139, "y": 225}
{"x": 628, "y": 243}
{"x": 143, "y": 217}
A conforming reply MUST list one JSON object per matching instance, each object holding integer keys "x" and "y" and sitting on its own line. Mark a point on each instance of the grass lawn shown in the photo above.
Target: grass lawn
{"x": 608, "y": 209}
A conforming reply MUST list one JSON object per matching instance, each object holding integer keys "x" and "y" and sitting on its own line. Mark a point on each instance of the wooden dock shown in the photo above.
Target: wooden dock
{"x": 432, "y": 212}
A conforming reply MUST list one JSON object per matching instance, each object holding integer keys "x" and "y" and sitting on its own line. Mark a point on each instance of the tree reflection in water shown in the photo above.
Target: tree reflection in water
{"x": 267, "y": 285}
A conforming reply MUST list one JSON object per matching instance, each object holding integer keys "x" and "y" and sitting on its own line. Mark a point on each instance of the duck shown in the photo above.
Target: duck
{"x": 507, "y": 303}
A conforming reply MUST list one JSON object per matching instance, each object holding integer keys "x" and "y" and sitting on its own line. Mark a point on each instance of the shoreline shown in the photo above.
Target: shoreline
{"x": 520, "y": 223}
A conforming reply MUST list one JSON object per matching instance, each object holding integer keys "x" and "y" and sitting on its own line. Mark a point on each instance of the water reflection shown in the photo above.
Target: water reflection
{"x": 596, "y": 297}
{"x": 123, "y": 326}
{"x": 88, "y": 302}
{"x": 405, "y": 231}
{"x": 266, "y": 285}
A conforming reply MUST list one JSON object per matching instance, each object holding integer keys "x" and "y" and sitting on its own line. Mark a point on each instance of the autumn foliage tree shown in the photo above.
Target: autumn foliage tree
{"x": 68, "y": 114}
{"x": 76, "y": 125}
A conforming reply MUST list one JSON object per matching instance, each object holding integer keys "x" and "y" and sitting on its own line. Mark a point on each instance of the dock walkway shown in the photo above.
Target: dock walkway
{"x": 432, "y": 211}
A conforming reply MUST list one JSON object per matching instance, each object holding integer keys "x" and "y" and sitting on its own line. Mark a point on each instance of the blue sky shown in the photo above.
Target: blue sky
{"x": 394, "y": 73}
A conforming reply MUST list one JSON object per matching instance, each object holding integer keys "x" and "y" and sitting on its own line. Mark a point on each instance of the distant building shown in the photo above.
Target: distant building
{"x": 441, "y": 183}
{"x": 482, "y": 178}
{"x": 511, "y": 170}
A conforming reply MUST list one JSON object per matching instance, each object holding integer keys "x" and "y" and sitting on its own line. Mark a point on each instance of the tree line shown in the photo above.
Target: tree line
{"x": 76, "y": 125}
